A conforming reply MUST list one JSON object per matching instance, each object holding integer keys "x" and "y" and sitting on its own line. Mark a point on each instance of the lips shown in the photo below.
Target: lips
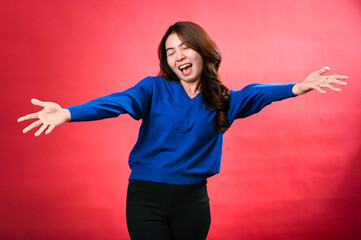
{"x": 184, "y": 66}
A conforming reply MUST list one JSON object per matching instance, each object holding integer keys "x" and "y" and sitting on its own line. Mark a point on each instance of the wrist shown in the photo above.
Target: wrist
{"x": 296, "y": 89}
{"x": 67, "y": 115}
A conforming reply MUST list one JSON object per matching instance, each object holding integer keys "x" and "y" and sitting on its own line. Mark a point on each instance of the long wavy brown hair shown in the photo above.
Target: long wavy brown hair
{"x": 215, "y": 94}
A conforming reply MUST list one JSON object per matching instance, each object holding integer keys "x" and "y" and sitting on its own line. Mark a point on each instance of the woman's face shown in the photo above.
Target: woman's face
{"x": 186, "y": 63}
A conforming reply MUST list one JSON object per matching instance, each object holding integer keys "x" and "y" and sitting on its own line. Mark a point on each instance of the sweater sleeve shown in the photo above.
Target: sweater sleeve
{"x": 134, "y": 101}
{"x": 254, "y": 97}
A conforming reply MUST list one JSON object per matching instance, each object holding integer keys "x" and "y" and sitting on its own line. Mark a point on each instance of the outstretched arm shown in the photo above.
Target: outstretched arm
{"x": 254, "y": 97}
{"x": 49, "y": 117}
{"x": 133, "y": 101}
{"x": 316, "y": 81}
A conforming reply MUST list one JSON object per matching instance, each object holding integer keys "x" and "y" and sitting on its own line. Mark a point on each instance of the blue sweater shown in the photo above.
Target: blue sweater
{"x": 178, "y": 141}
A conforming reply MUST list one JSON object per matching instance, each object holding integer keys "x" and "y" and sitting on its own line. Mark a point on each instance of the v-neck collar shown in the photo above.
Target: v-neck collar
{"x": 185, "y": 94}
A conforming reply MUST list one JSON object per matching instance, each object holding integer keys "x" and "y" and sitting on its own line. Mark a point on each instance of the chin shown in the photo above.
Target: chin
{"x": 191, "y": 79}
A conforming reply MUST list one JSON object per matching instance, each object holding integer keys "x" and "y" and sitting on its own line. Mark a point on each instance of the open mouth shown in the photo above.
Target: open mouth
{"x": 185, "y": 68}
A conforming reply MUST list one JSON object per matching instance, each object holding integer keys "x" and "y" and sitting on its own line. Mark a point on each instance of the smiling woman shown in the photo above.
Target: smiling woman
{"x": 184, "y": 110}
{"x": 185, "y": 62}
{"x": 187, "y": 43}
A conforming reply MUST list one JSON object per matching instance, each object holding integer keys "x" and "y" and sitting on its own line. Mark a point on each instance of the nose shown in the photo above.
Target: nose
{"x": 179, "y": 55}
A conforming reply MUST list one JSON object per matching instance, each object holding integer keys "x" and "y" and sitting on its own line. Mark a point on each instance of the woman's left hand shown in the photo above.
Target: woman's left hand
{"x": 316, "y": 81}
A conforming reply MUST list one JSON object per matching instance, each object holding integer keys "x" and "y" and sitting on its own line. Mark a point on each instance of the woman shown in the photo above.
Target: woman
{"x": 184, "y": 110}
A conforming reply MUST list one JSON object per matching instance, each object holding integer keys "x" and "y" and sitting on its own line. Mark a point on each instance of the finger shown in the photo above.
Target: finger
{"x": 28, "y": 117}
{"x": 37, "y": 102}
{"x": 335, "y": 81}
{"x": 319, "y": 89}
{"x": 51, "y": 127}
{"x": 323, "y": 70}
{"x": 329, "y": 86}
{"x": 41, "y": 129}
{"x": 341, "y": 77}
{"x": 32, "y": 126}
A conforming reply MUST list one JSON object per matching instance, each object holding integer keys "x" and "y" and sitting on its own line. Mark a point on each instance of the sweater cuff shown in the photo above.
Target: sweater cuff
{"x": 75, "y": 114}
{"x": 281, "y": 92}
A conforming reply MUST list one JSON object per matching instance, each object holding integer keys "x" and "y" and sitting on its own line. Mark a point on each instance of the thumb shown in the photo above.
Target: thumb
{"x": 323, "y": 70}
{"x": 37, "y": 102}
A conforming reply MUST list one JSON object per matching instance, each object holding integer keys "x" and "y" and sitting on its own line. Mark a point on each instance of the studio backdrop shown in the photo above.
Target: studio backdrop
{"x": 292, "y": 171}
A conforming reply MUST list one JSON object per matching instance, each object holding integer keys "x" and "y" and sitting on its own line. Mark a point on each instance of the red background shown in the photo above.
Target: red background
{"x": 292, "y": 171}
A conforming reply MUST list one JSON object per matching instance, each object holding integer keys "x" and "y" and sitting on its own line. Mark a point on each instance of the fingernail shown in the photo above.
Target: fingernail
{"x": 327, "y": 68}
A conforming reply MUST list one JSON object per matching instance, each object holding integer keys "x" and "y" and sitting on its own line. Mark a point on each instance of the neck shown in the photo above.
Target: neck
{"x": 191, "y": 88}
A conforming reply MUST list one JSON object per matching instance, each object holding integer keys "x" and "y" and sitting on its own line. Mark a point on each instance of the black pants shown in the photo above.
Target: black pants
{"x": 167, "y": 212}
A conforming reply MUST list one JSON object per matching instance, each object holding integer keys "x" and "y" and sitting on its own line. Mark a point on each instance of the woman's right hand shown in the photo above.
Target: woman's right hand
{"x": 49, "y": 117}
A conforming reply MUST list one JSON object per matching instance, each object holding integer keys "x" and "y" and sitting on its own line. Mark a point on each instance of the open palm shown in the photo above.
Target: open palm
{"x": 317, "y": 81}
{"x": 49, "y": 117}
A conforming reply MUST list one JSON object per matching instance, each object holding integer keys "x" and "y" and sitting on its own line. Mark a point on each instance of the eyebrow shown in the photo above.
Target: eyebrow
{"x": 183, "y": 43}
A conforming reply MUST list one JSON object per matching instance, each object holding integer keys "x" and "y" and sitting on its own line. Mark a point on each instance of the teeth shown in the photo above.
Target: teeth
{"x": 184, "y": 66}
